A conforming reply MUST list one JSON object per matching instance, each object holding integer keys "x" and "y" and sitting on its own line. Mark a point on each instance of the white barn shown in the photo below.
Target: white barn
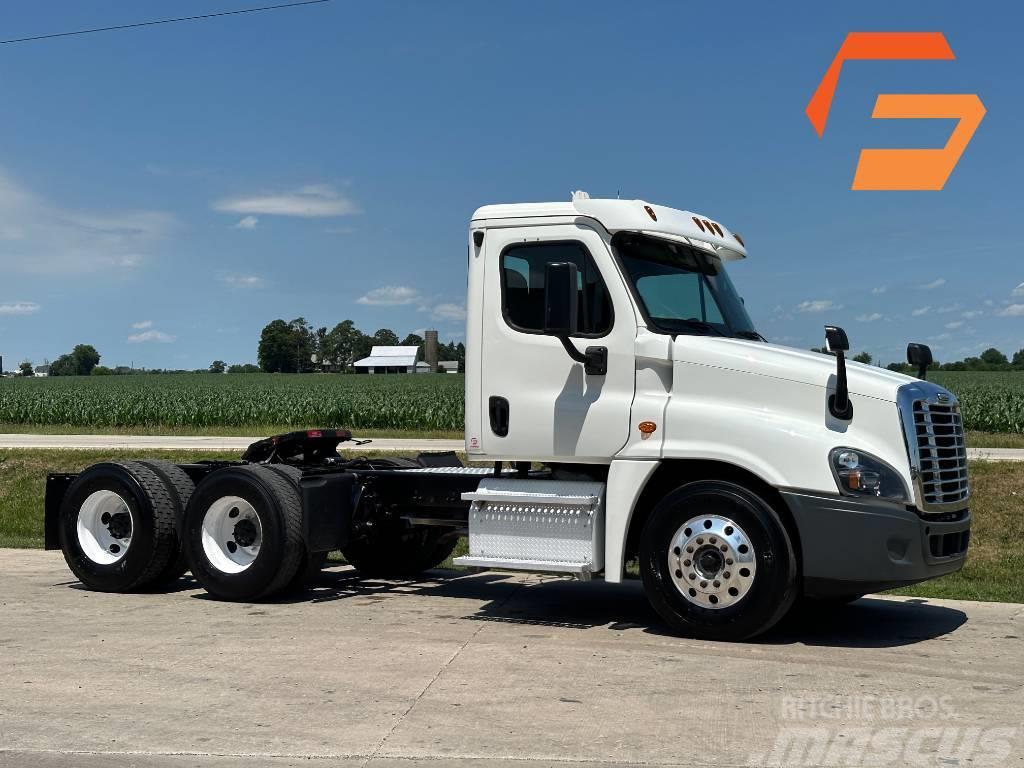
{"x": 390, "y": 360}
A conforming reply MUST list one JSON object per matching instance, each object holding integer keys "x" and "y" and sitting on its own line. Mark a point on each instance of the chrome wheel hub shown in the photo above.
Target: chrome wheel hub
{"x": 232, "y": 534}
{"x": 711, "y": 561}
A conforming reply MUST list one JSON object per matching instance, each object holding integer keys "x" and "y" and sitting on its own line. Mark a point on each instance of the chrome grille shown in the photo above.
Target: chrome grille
{"x": 942, "y": 452}
{"x": 934, "y": 433}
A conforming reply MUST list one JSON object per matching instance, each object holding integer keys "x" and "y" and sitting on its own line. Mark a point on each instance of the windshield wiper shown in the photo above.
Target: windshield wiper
{"x": 752, "y": 335}
{"x": 701, "y": 325}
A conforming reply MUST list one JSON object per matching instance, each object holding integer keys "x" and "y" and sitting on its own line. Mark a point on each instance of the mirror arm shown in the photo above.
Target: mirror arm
{"x": 571, "y": 350}
{"x": 595, "y": 359}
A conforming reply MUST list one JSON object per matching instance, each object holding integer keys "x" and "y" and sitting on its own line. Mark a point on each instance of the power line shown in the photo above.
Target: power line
{"x": 164, "y": 21}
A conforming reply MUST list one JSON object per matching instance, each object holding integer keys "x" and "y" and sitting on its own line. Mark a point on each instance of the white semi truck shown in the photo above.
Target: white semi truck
{"x": 625, "y": 409}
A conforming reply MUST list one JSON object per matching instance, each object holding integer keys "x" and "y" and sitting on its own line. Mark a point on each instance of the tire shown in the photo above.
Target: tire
{"x": 247, "y": 563}
{"x": 117, "y": 527}
{"x": 312, "y": 562}
{"x": 399, "y": 551}
{"x": 181, "y": 488}
{"x": 740, "y": 577}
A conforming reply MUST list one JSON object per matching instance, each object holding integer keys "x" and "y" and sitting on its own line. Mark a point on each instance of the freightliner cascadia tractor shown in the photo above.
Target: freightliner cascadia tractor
{"x": 624, "y": 408}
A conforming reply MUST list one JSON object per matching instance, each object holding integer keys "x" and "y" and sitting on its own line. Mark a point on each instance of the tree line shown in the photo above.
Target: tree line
{"x": 989, "y": 360}
{"x": 296, "y": 347}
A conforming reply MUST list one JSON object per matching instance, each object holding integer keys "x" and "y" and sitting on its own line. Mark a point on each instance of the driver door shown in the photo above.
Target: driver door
{"x": 537, "y": 402}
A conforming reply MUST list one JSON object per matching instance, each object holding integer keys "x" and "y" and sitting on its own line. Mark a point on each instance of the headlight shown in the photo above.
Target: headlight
{"x": 861, "y": 474}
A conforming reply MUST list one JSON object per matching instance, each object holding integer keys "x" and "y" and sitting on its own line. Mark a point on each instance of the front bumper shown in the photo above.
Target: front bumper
{"x": 855, "y": 546}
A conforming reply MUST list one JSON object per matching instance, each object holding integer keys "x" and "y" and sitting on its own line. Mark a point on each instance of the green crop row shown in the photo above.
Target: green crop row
{"x": 404, "y": 402}
{"x": 991, "y": 402}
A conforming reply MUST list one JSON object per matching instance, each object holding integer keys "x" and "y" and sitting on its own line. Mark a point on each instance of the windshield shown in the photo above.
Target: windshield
{"x": 682, "y": 289}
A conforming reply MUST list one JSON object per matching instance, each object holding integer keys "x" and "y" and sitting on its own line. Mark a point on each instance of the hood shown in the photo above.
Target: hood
{"x": 787, "y": 363}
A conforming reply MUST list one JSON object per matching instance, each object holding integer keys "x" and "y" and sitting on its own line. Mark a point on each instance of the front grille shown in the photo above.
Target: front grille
{"x": 941, "y": 452}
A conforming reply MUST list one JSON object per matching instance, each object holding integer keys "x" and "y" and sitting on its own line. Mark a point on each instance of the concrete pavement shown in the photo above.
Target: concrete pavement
{"x": 204, "y": 443}
{"x": 487, "y": 670}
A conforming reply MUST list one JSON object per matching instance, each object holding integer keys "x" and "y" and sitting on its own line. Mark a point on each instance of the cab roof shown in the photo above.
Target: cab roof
{"x": 628, "y": 216}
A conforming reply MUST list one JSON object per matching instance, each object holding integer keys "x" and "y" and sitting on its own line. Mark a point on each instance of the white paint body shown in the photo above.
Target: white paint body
{"x": 758, "y": 406}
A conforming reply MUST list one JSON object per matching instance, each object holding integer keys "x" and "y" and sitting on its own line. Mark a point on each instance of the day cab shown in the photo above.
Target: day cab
{"x": 623, "y": 415}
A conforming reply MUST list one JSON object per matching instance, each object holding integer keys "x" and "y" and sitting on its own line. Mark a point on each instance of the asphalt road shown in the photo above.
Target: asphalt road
{"x": 202, "y": 443}
{"x": 488, "y": 671}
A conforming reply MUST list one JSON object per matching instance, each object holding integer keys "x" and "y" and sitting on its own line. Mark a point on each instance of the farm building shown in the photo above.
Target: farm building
{"x": 391, "y": 360}
{"x": 448, "y": 366}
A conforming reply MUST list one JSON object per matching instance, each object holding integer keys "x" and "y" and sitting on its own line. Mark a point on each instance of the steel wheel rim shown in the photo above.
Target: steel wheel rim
{"x": 104, "y": 528}
{"x": 712, "y": 562}
{"x": 231, "y": 534}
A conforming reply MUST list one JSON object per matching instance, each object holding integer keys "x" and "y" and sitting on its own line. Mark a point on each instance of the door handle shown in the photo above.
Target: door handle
{"x": 497, "y": 408}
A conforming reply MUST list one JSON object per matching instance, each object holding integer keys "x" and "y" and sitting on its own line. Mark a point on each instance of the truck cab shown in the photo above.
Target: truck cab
{"x": 684, "y": 390}
{"x": 625, "y": 417}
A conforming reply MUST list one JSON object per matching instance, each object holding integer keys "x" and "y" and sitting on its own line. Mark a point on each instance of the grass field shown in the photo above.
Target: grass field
{"x": 993, "y": 570}
{"x": 396, "y": 405}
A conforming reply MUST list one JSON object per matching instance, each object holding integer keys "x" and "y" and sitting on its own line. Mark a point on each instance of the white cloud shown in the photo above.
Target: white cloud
{"x": 920, "y": 311}
{"x": 41, "y": 237}
{"x": 934, "y": 284}
{"x": 448, "y": 311}
{"x": 1013, "y": 310}
{"x": 878, "y": 290}
{"x": 247, "y": 222}
{"x": 160, "y": 336}
{"x": 19, "y": 308}
{"x": 1018, "y": 291}
{"x": 947, "y": 309}
{"x": 954, "y": 324}
{"x": 242, "y": 281}
{"x": 313, "y": 201}
{"x": 391, "y": 296}
{"x": 972, "y": 313}
{"x": 869, "y": 318}
{"x": 142, "y": 325}
{"x": 817, "y": 305}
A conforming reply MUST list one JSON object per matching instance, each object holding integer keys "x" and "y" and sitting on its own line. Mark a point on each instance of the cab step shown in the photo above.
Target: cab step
{"x": 554, "y": 526}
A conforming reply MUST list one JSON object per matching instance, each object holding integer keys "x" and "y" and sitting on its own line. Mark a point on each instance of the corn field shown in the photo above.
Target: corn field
{"x": 418, "y": 402}
{"x": 991, "y": 402}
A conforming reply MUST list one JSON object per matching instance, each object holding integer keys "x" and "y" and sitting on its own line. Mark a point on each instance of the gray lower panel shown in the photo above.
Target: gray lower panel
{"x": 872, "y": 544}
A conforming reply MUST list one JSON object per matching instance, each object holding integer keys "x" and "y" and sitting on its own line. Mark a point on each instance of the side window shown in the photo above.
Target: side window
{"x": 522, "y": 286}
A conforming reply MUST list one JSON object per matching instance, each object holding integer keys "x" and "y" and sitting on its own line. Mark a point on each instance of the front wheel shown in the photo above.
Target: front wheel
{"x": 717, "y": 562}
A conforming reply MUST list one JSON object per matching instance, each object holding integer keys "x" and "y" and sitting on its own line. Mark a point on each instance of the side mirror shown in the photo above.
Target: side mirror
{"x": 561, "y": 307}
{"x": 921, "y": 356}
{"x": 561, "y": 294}
{"x": 835, "y": 339}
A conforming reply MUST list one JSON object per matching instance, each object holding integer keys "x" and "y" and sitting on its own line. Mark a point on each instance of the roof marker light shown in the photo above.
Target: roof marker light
{"x": 698, "y": 223}
{"x": 718, "y": 229}
{"x": 739, "y": 239}
{"x": 650, "y": 212}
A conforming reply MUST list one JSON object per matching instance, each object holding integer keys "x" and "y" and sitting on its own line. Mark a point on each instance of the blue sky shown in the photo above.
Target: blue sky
{"x": 165, "y": 192}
